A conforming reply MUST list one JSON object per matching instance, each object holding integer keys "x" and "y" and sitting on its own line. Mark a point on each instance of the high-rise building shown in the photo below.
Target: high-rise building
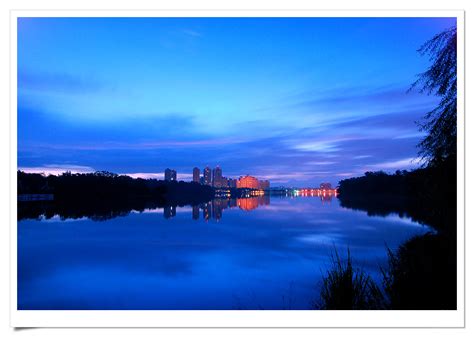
{"x": 207, "y": 176}
{"x": 217, "y": 177}
{"x": 170, "y": 175}
{"x": 196, "y": 175}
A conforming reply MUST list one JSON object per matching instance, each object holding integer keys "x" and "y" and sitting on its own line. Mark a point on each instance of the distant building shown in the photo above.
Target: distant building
{"x": 232, "y": 183}
{"x": 325, "y": 186}
{"x": 248, "y": 182}
{"x": 207, "y": 176}
{"x": 196, "y": 175}
{"x": 217, "y": 177}
{"x": 264, "y": 184}
{"x": 170, "y": 175}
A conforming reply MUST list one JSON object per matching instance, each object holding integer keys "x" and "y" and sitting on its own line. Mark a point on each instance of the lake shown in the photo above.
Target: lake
{"x": 256, "y": 253}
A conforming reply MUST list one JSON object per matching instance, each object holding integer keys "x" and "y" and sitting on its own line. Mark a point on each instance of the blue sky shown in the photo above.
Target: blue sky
{"x": 294, "y": 100}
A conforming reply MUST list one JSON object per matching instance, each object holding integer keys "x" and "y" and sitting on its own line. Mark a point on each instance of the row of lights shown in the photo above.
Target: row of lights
{"x": 318, "y": 192}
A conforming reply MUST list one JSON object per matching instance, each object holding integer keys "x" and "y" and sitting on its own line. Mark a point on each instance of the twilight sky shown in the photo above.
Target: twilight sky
{"x": 298, "y": 101}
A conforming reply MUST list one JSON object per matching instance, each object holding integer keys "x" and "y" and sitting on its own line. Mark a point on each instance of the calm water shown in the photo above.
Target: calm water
{"x": 260, "y": 253}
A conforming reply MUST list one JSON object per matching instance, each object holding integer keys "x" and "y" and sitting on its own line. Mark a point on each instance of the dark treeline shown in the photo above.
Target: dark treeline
{"x": 102, "y": 195}
{"x": 427, "y": 195}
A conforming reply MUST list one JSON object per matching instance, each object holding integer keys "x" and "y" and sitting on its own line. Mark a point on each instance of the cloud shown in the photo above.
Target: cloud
{"x": 159, "y": 176}
{"x": 57, "y": 82}
{"x": 324, "y": 144}
{"x": 57, "y": 169}
{"x": 318, "y": 163}
{"x": 192, "y": 32}
{"x": 399, "y": 164}
{"x": 317, "y": 146}
{"x": 140, "y": 146}
{"x": 388, "y": 96}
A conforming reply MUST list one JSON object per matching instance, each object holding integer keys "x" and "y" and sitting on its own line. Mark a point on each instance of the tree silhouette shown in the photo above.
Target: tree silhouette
{"x": 440, "y": 79}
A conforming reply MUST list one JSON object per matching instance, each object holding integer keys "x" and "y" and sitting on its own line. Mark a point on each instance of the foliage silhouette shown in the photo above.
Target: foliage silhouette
{"x": 440, "y": 79}
{"x": 422, "y": 274}
{"x": 102, "y": 195}
{"x": 348, "y": 288}
{"x": 427, "y": 195}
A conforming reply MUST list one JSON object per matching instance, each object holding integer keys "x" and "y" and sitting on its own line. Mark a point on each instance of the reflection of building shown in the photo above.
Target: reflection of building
{"x": 217, "y": 206}
{"x": 195, "y": 212}
{"x": 326, "y": 197}
{"x": 170, "y": 175}
{"x": 169, "y": 212}
{"x": 263, "y": 200}
{"x": 248, "y": 182}
{"x": 207, "y": 176}
{"x": 206, "y": 211}
{"x": 196, "y": 175}
{"x": 248, "y": 204}
{"x": 214, "y": 209}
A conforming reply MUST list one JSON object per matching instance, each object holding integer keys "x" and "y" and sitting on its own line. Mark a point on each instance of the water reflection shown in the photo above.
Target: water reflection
{"x": 214, "y": 209}
{"x": 169, "y": 212}
{"x": 217, "y": 206}
{"x": 245, "y": 253}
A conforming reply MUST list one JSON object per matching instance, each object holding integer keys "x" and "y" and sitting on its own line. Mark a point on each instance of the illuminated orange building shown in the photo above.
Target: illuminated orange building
{"x": 248, "y": 182}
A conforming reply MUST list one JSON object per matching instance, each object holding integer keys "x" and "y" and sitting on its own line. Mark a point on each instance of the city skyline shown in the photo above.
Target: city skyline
{"x": 215, "y": 178}
{"x": 296, "y": 101}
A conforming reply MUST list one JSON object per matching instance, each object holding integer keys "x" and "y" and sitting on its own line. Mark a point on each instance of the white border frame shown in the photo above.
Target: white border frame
{"x": 233, "y": 318}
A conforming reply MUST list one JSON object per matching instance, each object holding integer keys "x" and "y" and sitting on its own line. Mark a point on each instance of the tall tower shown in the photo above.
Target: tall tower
{"x": 207, "y": 176}
{"x": 217, "y": 177}
{"x": 170, "y": 175}
{"x": 196, "y": 175}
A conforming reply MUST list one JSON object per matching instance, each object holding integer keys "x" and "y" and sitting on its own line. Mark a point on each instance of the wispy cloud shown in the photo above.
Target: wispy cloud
{"x": 57, "y": 169}
{"x": 159, "y": 176}
{"x": 318, "y": 163}
{"x": 323, "y": 144}
{"x": 390, "y": 96}
{"x": 58, "y": 82}
{"x": 152, "y": 145}
{"x": 405, "y": 163}
{"x": 192, "y": 32}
